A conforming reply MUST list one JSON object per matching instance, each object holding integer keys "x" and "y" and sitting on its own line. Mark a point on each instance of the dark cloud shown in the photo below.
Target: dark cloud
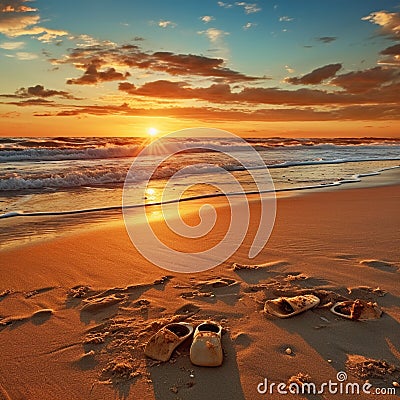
{"x": 317, "y": 76}
{"x": 161, "y": 61}
{"x": 92, "y": 76}
{"x": 32, "y": 102}
{"x": 222, "y": 93}
{"x": 38, "y": 91}
{"x": 207, "y": 114}
{"x": 180, "y": 90}
{"x": 326, "y": 39}
{"x": 17, "y": 6}
{"x": 392, "y": 50}
{"x": 381, "y": 78}
{"x": 393, "y": 53}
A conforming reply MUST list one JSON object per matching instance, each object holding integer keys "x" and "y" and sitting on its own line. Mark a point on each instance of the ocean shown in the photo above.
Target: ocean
{"x": 46, "y": 180}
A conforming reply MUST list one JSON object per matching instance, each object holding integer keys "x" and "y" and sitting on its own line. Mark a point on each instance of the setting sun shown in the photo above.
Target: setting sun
{"x": 152, "y": 131}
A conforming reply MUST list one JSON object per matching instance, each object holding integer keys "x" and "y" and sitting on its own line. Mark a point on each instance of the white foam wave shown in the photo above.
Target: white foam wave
{"x": 68, "y": 154}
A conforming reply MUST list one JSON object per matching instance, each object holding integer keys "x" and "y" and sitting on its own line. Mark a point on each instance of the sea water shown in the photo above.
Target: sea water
{"x": 42, "y": 179}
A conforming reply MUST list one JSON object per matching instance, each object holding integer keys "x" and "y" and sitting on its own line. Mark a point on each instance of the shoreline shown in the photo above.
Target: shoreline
{"x": 43, "y": 226}
{"x": 357, "y": 179}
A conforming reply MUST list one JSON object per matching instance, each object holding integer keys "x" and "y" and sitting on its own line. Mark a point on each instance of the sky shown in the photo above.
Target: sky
{"x": 268, "y": 68}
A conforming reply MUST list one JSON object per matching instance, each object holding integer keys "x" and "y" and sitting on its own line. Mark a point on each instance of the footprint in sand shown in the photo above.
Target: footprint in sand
{"x": 216, "y": 283}
{"x": 37, "y": 318}
{"x": 96, "y": 304}
{"x": 41, "y": 316}
{"x": 36, "y": 292}
{"x": 252, "y": 267}
{"x": 381, "y": 265}
{"x": 110, "y": 297}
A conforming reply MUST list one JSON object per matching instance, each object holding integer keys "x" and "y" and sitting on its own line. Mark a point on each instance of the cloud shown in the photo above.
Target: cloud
{"x": 207, "y": 18}
{"x": 178, "y": 90}
{"x": 249, "y": 8}
{"x": 377, "y": 78}
{"x": 38, "y": 91}
{"x": 162, "y": 61}
{"x": 207, "y": 114}
{"x": 9, "y": 6}
{"x": 326, "y": 39}
{"x": 166, "y": 24}
{"x": 213, "y": 34}
{"x": 32, "y": 102}
{"x": 92, "y": 76}
{"x": 393, "y": 53}
{"x": 225, "y": 5}
{"x": 10, "y": 114}
{"x": 289, "y": 69}
{"x": 11, "y": 45}
{"x": 84, "y": 40}
{"x": 223, "y": 94}
{"x": 249, "y": 25}
{"x": 14, "y": 24}
{"x": 317, "y": 76}
{"x": 285, "y": 18}
{"x": 18, "y": 19}
{"x": 392, "y": 50}
{"x": 25, "y": 56}
{"x": 389, "y": 22}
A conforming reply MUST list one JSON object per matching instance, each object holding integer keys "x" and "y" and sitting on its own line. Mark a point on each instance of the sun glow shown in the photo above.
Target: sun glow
{"x": 152, "y": 131}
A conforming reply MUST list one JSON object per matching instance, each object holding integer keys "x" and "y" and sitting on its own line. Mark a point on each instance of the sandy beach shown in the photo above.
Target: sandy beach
{"x": 77, "y": 310}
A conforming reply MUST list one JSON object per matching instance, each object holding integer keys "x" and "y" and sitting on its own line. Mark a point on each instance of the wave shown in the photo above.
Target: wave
{"x": 55, "y": 154}
{"x": 58, "y": 149}
{"x": 117, "y": 175}
{"x": 354, "y": 179}
{"x": 77, "y": 178}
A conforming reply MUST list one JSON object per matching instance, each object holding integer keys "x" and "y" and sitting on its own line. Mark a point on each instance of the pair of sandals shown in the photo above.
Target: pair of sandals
{"x": 206, "y": 348}
{"x": 356, "y": 310}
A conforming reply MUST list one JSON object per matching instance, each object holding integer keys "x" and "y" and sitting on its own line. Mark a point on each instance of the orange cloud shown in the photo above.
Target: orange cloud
{"x": 17, "y": 19}
{"x": 389, "y": 22}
